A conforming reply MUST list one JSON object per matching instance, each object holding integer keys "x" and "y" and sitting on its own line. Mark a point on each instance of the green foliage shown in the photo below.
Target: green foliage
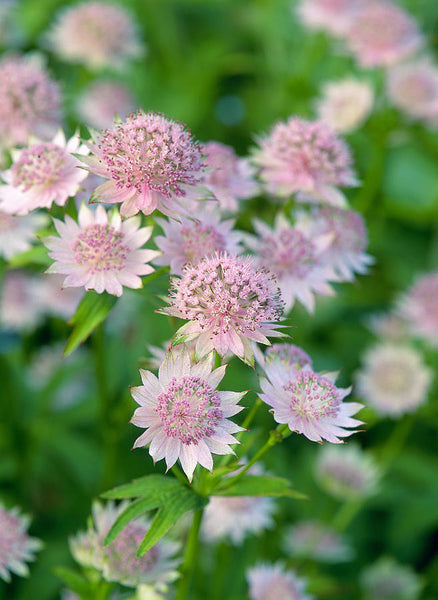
{"x": 260, "y": 485}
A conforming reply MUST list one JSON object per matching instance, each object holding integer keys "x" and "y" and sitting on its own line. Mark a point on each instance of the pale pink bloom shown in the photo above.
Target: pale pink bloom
{"x": 388, "y": 326}
{"x": 345, "y": 104}
{"x": 190, "y": 240}
{"x": 96, "y": 34}
{"x": 151, "y": 162}
{"x": 394, "y": 379}
{"x": 388, "y": 580}
{"x": 309, "y": 402}
{"x": 185, "y": 417}
{"x": 228, "y": 302}
{"x": 382, "y": 34}
{"x": 86, "y": 190}
{"x": 102, "y": 101}
{"x": 274, "y": 582}
{"x": 41, "y": 174}
{"x": 313, "y": 539}
{"x": 16, "y": 547}
{"x": 348, "y": 239}
{"x": 419, "y": 308}
{"x": 18, "y": 233}
{"x": 30, "y": 102}
{"x": 286, "y": 354}
{"x": 53, "y": 299}
{"x": 229, "y": 177}
{"x": 332, "y": 16}
{"x": 304, "y": 156}
{"x": 296, "y": 259}
{"x": 100, "y": 252}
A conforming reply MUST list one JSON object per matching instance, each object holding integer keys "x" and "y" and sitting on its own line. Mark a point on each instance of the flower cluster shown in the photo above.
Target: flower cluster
{"x": 312, "y": 539}
{"x": 419, "y": 308}
{"x": 18, "y": 233}
{"x": 272, "y": 582}
{"x": 345, "y": 104}
{"x": 16, "y": 547}
{"x": 102, "y": 101}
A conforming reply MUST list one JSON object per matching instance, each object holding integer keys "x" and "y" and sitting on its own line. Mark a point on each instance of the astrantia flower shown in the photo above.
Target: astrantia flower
{"x": 382, "y": 34}
{"x": 16, "y": 547}
{"x": 388, "y": 326}
{"x": 312, "y": 539}
{"x": 419, "y": 308}
{"x": 388, "y": 580}
{"x": 30, "y": 102}
{"x": 346, "y": 472}
{"x": 151, "y": 162}
{"x": 288, "y": 355}
{"x": 188, "y": 241}
{"x": 304, "y": 156}
{"x": 228, "y": 302}
{"x": 229, "y": 177}
{"x": 296, "y": 259}
{"x": 185, "y": 417}
{"x": 102, "y": 101}
{"x": 272, "y": 582}
{"x": 18, "y": 233}
{"x": 333, "y": 16}
{"x": 101, "y": 253}
{"x": 345, "y": 104}
{"x": 42, "y": 174}
{"x": 96, "y": 34}
{"x": 309, "y": 402}
{"x": 394, "y": 379}
{"x": 348, "y": 239}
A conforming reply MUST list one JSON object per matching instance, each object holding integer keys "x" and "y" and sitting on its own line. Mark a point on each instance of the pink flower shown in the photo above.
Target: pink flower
{"x": 345, "y": 104}
{"x": 30, "y": 101}
{"x": 102, "y": 101}
{"x": 185, "y": 417}
{"x": 382, "y": 34}
{"x": 100, "y": 253}
{"x": 419, "y": 308}
{"x": 96, "y": 34}
{"x": 274, "y": 582}
{"x": 333, "y": 16}
{"x": 286, "y": 354}
{"x": 151, "y": 163}
{"x": 228, "y": 302}
{"x": 312, "y": 539}
{"x": 189, "y": 241}
{"x": 229, "y": 178}
{"x": 296, "y": 259}
{"x": 304, "y": 156}
{"x": 42, "y": 174}
{"x": 387, "y": 579}
{"x": 309, "y": 402}
{"x": 16, "y": 547}
{"x": 388, "y": 326}
{"x": 18, "y": 233}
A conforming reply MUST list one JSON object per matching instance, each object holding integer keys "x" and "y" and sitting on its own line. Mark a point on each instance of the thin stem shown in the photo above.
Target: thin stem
{"x": 175, "y": 470}
{"x": 190, "y": 556}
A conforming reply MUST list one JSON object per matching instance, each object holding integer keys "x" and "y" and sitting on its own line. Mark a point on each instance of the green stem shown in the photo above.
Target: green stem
{"x": 190, "y": 556}
{"x": 175, "y": 470}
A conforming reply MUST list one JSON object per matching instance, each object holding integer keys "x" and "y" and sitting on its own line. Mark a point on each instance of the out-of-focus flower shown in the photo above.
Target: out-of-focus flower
{"x": 100, "y": 252}
{"x": 347, "y": 472}
{"x": 42, "y": 174}
{"x": 118, "y": 561}
{"x": 151, "y": 162}
{"x": 394, "y": 379}
{"x": 333, "y": 16}
{"x": 304, "y": 156}
{"x": 96, "y": 34}
{"x": 286, "y": 354}
{"x": 419, "y": 308}
{"x": 272, "y": 582}
{"x": 228, "y": 302}
{"x": 16, "y": 546}
{"x": 345, "y": 104}
{"x": 30, "y": 102}
{"x": 185, "y": 417}
{"x": 296, "y": 259}
{"x": 102, "y": 101}
{"x": 309, "y": 402}
{"x": 190, "y": 240}
{"x": 388, "y": 326}
{"x": 229, "y": 177}
{"x": 382, "y": 34}
{"x": 312, "y": 539}
{"x": 18, "y": 233}
{"x": 388, "y": 580}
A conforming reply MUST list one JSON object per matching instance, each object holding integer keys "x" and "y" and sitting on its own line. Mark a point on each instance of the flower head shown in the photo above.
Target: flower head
{"x": 272, "y": 582}
{"x": 101, "y": 253}
{"x": 288, "y": 355}
{"x": 304, "y": 156}
{"x": 185, "y": 417}
{"x": 16, "y": 547}
{"x": 394, "y": 379}
{"x": 333, "y": 16}
{"x": 228, "y": 302}
{"x": 388, "y": 580}
{"x": 419, "y": 308}
{"x": 312, "y": 539}
{"x": 102, "y": 101}
{"x": 151, "y": 162}
{"x": 345, "y": 104}
{"x": 18, "y": 233}
{"x": 388, "y": 326}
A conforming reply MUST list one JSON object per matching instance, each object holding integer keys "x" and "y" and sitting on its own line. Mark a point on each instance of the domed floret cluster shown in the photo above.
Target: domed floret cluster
{"x": 296, "y": 259}
{"x": 100, "y": 253}
{"x": 309, "y": 402}
{"x": 102, "y": 101}
{"x": 190, "y": 240}
{"x": 118, "y": 561}
{"x": 151, "y": 162}
{"x": 419, "y": 308}
{"x": 333, "y": 16}
{"x": 96, "y": 34}
{"x": 185, "y": 417}
{"x": 16, "y": 547}
{"x": 286, "y": 354}
{"x": 388, "y": 580}
{"x": 228, "y": 302}
{"x": 313, "y": 539}
{"x": 30, "y": 102}
{"x": 18, "y": 233}
{"x": 394, "y": 379}
{"x": 345, "y": 104}
{"x": 304, "y": 156}
{"x": 347, "y": 472}
{"x": 228, "y": 177}
{"x": 41, "y": 174}
{"x": 272, "y": 582}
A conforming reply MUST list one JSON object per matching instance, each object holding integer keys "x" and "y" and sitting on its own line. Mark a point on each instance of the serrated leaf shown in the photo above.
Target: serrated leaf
{"x": 260, "y": 485}
{"x": 144, "y": 486}
{"x": 75, "y": 582}
{"x": 134, "y": 510}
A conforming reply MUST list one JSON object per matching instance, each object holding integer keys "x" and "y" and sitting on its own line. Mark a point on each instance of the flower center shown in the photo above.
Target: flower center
{"x": 100, "y": 247}
{"x": 39, "y": 165}
{"x": 288, "y": 355}
{"x": 288, "y": 254}
{"x": 313, "y": 396}
{"x": 201, "y": 240}
{"x": 122, "y": 553}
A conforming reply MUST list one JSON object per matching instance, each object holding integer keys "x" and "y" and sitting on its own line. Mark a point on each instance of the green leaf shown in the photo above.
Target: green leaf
{"x": 91, "y": 311}
{"x": 35, "y": 256}
{"x": 134, "y": 510}
{"x": 75, "y": 582}
{"x": 260, "y": 485}
{"x": 144, "y": 486}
